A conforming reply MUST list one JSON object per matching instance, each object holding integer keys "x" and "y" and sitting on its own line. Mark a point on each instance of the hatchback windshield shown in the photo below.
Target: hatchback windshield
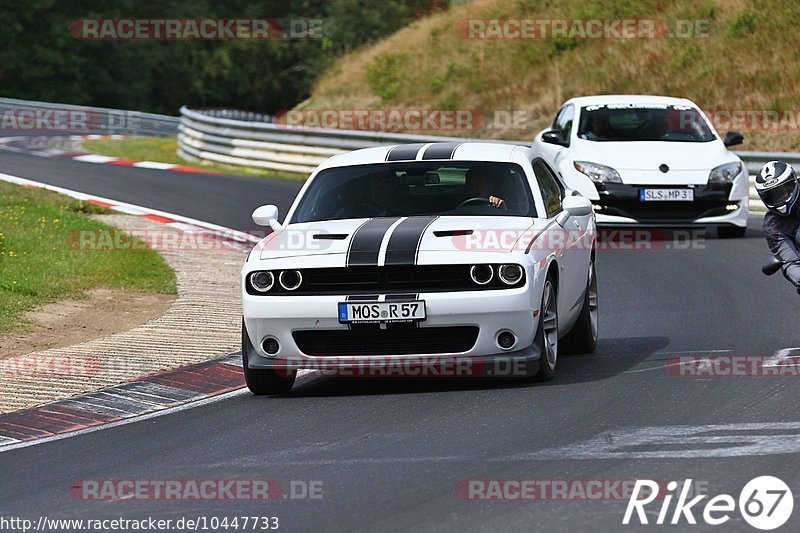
{"x": 643, "y": 122}
{"x": 417, "y": 188}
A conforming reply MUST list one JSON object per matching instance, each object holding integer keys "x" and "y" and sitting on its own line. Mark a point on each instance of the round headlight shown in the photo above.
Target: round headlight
{"x": 262, "y": 281}
{"x": 481, "y": 274}
{"x": 510, "y": 274}
{"x": 290, "y": 279}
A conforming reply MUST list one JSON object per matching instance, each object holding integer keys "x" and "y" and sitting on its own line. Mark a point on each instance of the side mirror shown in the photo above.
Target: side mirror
{"x": 554, "y": 137}
{"x": 267, "y": 215}
{"x": 732, "y": 138}
{"x": 577, "y": 206}
{"x": 772, "y": 267}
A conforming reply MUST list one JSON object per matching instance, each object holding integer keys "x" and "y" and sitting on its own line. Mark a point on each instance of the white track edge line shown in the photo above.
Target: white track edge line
{"x": 190, "y": 404}
{"x": 236, "y": 234}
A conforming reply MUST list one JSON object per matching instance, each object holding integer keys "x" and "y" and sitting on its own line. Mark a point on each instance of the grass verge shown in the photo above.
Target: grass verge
{"x": 163, "y": 150}
{"x": 40, "y": 261}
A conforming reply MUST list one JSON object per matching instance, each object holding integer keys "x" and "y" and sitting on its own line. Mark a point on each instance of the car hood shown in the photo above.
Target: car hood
{"x": 638, "y": 162}
{"x": 408, "y": 236}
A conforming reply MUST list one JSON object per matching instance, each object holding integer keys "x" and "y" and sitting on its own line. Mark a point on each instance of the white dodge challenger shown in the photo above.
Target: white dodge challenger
{"x": 412, "y": 253}
{"x": 648, "y": 161}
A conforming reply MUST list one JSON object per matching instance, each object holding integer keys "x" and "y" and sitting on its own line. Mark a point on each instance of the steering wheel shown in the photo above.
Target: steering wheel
{"x": 480, "y": 201}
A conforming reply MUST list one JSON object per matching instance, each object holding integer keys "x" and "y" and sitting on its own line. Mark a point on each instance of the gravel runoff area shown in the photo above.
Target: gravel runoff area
{"x": 204, "y": 322}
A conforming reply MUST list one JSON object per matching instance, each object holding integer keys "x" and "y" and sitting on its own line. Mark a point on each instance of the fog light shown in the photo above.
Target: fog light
{"x": 481, "y": 274}
{"x": 597, "y": 208}
{"x": 506, "y": 340}
{"x": 290, "y": 279}
{"x": 732, "y": 207}
{"x": 262, "y": 281}
{"x": 270, "y": 345}
{"x": 510, "y": 274}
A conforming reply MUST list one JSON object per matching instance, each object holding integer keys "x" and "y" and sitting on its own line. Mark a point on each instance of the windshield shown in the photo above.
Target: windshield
{"x": 417, "y": 188}
{"x": 643, "y": 122}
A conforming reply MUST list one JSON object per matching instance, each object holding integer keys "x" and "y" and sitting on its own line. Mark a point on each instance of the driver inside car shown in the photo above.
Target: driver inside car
{"x": 599, "y": 129}
{"x": 479, "y": 185}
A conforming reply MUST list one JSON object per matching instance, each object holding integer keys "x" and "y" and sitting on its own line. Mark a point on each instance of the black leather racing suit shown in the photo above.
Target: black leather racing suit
{"x": 783, "y": 238}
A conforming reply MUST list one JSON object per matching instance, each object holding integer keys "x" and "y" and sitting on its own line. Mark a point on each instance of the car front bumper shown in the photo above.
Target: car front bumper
{"x": 292, "y": 319}
{"x": 621, "y": 205}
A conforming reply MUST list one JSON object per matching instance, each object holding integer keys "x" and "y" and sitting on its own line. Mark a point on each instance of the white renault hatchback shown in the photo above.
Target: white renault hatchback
{"x": 648, "y": 161}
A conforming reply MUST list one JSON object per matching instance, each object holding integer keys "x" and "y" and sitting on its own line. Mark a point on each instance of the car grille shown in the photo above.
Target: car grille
{"x": 623, "y": 200}
{"x": 394, "y": 279}
{"x": 394, "y": 340}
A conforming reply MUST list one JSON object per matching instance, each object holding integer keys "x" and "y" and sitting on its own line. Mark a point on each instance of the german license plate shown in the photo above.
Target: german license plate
{"x": 666, "y": 195}
{"x": 377, "y": 312}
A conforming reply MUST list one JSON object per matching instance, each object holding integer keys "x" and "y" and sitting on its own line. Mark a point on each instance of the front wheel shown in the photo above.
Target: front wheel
{"x": 263, "y": 381}
{"x": 548, "y": 333}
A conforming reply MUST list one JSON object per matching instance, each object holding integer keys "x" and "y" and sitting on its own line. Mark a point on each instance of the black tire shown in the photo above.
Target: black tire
{"x": 731, "y": 232}
{"x": 263, "y": 381}
{"x": 548, "y": 332}
{"x": 582, "y": 338}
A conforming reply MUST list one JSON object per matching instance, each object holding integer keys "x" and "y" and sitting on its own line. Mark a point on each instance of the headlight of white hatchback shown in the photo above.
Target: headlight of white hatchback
{"x": 598, "y": 173}
{"x": 725, "y": 173}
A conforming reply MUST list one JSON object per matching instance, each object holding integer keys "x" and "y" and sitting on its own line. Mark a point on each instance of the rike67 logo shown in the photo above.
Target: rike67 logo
{"x": 765, "y": 503}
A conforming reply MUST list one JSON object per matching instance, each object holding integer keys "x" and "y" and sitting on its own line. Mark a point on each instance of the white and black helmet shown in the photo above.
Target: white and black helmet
{"x": 777, "y": 186}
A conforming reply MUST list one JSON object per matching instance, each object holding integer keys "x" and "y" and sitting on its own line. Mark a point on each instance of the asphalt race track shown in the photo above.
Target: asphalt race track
{"x": 390, "y": 453}
{"x": 224, "y": 200}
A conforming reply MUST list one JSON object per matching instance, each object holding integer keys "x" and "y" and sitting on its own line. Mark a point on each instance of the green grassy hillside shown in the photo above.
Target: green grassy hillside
{"x": 741, "y": 56}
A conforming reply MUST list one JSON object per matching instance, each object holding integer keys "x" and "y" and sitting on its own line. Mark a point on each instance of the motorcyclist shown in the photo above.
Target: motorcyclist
{"x": 777, "y": 185}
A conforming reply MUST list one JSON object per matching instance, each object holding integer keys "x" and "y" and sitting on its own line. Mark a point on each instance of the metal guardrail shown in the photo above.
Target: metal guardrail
{"x": 77, "y": 119}
{"x": 208, "y": 136}
{"x": 248, "y": 139}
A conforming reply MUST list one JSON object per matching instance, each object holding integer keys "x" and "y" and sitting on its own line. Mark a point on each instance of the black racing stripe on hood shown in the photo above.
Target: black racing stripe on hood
{"x": 405, "y": 240}
{"x": 441, "y": 150}
{"x": 404, "y": 152}
{"x": 366, "y": 242}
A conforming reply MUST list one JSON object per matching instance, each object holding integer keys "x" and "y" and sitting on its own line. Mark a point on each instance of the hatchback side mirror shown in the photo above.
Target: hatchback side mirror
{"x": 732, "y": 138}
{"x": 554, "y": 137}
